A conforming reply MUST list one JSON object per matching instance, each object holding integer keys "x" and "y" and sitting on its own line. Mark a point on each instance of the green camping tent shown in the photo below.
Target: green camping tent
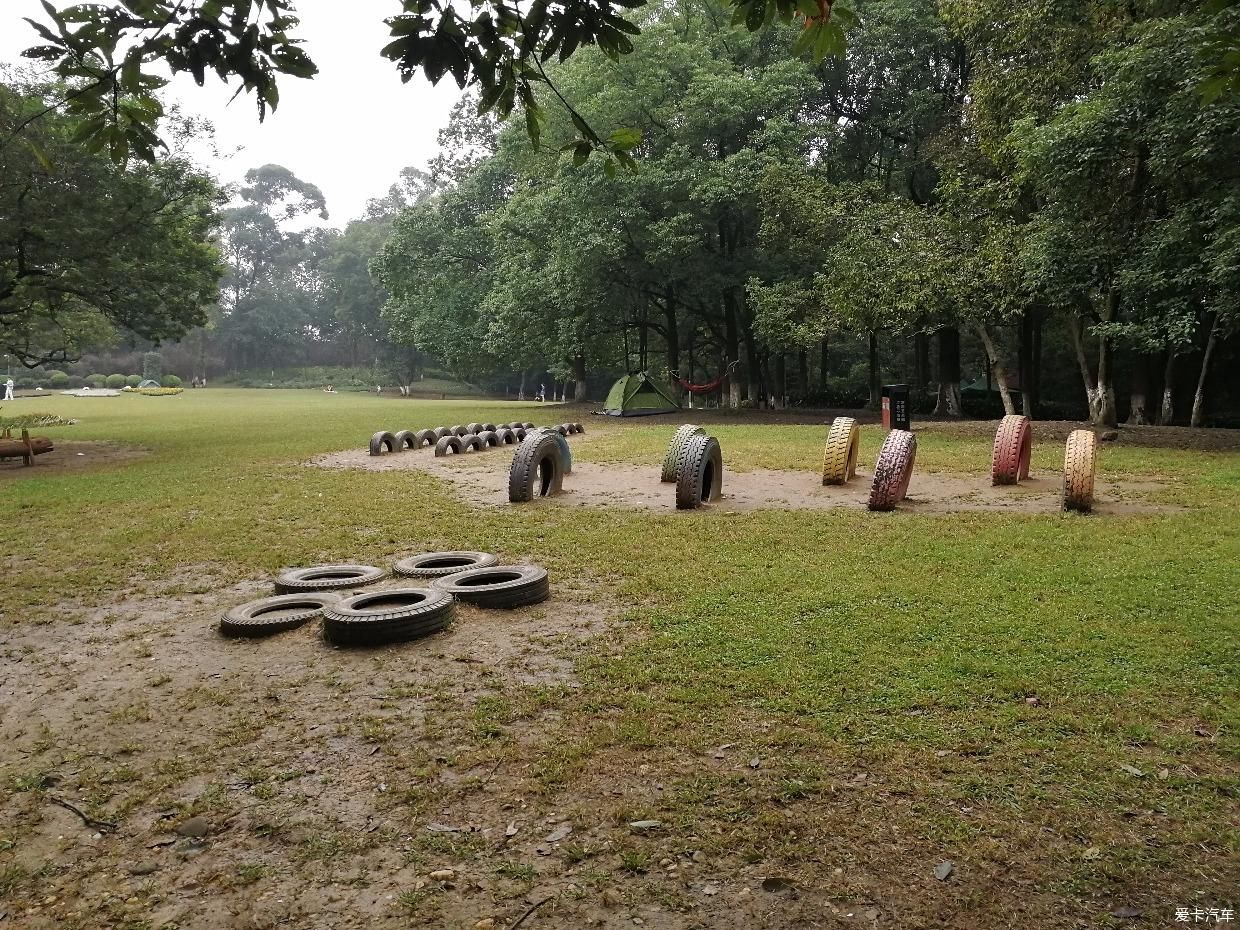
{"x": 638, "y": 396}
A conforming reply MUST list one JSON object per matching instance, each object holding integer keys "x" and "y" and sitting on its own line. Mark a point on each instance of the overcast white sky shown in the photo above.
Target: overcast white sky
{"x": 349, "y": 130}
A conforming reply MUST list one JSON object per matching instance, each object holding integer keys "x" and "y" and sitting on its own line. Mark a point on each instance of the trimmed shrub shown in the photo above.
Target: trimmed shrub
{"x": 115, "y": 382}
{"x": 133, "y": 380}
{"x": 27, "y": 383}
{"x": 170, "y": 381}
{"x": 97, "y": 381}
{"x": 152, "y": 366}
{"x": 58, "y": 380}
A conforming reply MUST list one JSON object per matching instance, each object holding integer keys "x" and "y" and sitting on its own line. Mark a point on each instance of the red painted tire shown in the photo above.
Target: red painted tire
{"x": 1009, "y": 463}
{"x": 839, "y": 458}
{"x": 1080, "y": 464}
{"x": 893, "y": 470}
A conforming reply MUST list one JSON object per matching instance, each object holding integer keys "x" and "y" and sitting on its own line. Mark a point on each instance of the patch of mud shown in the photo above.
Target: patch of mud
{"x": 316, "y": 769}
{"x": 70, "y": 455}
{"x": 482, "y": 478}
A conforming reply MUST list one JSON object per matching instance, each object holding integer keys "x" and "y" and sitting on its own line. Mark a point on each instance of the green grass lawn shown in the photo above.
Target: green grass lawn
{"x": 819, "y": 640}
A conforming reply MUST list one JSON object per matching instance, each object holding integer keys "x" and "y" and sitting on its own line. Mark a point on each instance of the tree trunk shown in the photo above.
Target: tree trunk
{"x": 921, "y": 368}
{"x": 996, "y": 365}
{"x": 948, "y": 404}
{"x": 733, "y": 348}
{"x": 803, "y": 374}
{"x": 579, "y": 374}
{"x": 781, "y": 381}
{"x": 1099, "y": 392}
{"x": 1166, "y": 412}
{"x": 1029, "y": 362}
{"x": 876, "y": 374}
{"x": 1199, "y": 398}
{"x": 1137, "y": 415}
{"x": 672, "y": 338}
{"x": 753, "y": 360}
{"x": 823, "y": 365}
{"x": 521, "y": 389}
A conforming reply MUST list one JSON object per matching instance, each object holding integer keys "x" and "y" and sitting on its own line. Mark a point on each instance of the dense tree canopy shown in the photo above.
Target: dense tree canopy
{"x": 87, "y": 245}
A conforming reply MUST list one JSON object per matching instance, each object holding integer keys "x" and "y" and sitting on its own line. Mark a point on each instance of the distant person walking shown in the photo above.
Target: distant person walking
{"x": 8, "y": 389}
{"x": 542, "y": 393}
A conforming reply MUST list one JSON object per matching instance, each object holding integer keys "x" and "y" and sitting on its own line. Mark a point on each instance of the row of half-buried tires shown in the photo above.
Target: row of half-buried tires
{"x": 392, "y": 614}
{"x": 893, "y": 469}
{"x": 384, "y": 441}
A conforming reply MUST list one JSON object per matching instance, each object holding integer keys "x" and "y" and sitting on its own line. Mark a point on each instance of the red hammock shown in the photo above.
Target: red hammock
{"x": 708, "y": 386}
{"x": 702, "y": 388}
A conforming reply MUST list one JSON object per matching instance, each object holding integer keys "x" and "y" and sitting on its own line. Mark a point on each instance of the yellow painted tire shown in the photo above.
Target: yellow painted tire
{"x": 839, "y": 460}
{"x": 1080, "y": 464}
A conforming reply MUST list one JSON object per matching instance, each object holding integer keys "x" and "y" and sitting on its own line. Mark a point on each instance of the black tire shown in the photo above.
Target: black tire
{"x": 438, "y": 564}
{"x": 459, "y": 430}
{"x": 382, "y": 442}
{"x": 387, "y": 616}
{"x": 675, "y": 449}
{"x": 449, "y": 445}
{"x": 472, "y": 443}
{"x": 700, "y": 479}
{"x": 893, "y": 470}
{"x": 527, "y": 425}
{"x": 404, "y": 440}
{"x": 327, "y": 578}
{"x": 506, "y": 436}
{"x": 490, "y": 426}
{"x": 566, "y": 452}
{"x": 562, "y": 429}
{"x": 521, "y": 432}
{"x": 489, "y": 438}
{"x": 502, "y": 586}
{"x": 474, "y": 428}
{"x": 424, "y": 437}
{"x": 578, "y": 428}
{"x": 271, "y": 615}
{"x": 440, "y": 432}
{"x": 537, "y": 469}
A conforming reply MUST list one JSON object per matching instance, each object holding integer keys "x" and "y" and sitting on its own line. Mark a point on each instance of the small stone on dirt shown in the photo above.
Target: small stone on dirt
{"x": 745, "y": 893}
{"x": 442, "y": 875}
{"x": 698, "y": 856}
{"x": 1132, "y": 770}
{"x": 195, "y": 826}
{"x": 612, "y": 898}
{"x": 777, "y": 883}
{"x": 487, "y": 923}
{"x": 1127, "y": 912}
{"x": 944, "y": 869}
{"x": 559, "y": 833}
{"x": 143, "y": 868}
{"x": 645, "y": 826}
{"x": 755, "y": 763}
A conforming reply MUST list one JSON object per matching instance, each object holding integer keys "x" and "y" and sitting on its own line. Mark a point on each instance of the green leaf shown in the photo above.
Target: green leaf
{"x": 40, "y": 154}
{"x": 626, "y": 138}
{"x": 581, "y": 153}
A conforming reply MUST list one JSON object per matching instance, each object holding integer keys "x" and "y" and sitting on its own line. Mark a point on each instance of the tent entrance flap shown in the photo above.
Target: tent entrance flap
{"x": 638, "y": 395}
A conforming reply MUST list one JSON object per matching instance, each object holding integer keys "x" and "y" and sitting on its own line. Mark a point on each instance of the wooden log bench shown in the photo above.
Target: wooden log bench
{"x": 25, "y": 448}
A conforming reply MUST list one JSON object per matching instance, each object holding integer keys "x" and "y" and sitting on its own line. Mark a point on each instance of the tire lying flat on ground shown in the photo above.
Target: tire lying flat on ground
{"x": 436, "y": 564}
{"x": 424, "y": 437}
{"x": 327, "y": 578}
{"x": 700, "y": 478}
{"x": 1080, "y": 465}
{"x": 388, "y": 616}
{"x": 893, "y": 470}
{"x": 1009, "y": 462}
{"x": 537, "y": 469}
{"x": 503, "y": 586}
{"x": 449, "y": 445}
{"x": 676, "y": 448}
{"x": 382, "y": 442}
{"x": 839, "y": 458}
{"x": 271, "y": 615}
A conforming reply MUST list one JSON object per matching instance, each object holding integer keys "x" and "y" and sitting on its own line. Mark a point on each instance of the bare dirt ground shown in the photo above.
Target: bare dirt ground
{"x": 70, "y": 455}
{"x": 482, "y": 478}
